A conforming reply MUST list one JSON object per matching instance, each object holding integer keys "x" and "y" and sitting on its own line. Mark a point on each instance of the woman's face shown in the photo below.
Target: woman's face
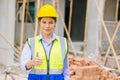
{"x": 47, "y": 25}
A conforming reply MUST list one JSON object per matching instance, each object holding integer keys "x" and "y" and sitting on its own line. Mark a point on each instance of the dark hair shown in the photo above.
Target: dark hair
{"x": 50, "y": 17}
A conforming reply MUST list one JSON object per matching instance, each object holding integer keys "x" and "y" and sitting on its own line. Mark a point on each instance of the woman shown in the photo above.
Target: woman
{"x": 44, "y": 57}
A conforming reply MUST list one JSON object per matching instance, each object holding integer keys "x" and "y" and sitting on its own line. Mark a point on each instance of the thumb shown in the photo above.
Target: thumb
{"x": 37, "y": 54}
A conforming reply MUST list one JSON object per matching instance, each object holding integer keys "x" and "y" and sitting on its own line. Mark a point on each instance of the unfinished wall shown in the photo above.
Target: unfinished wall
{"x": 7, "y": 15}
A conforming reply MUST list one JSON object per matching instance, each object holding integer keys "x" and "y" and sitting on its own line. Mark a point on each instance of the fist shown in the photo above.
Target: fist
{"x": 37, "y": 61}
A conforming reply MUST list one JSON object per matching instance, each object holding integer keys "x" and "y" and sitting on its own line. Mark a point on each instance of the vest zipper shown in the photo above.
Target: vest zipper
{"x": 48, "y": 60}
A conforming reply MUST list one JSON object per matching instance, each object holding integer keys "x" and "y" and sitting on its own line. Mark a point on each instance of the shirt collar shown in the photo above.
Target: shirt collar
{"x": 54, "y": 37}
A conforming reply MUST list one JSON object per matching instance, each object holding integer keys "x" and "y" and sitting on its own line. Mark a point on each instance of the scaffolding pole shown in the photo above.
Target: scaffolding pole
{"x": 22, "y": 26}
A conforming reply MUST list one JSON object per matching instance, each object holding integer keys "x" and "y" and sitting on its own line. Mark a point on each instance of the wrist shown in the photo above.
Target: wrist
{"x": 29, "y": 65}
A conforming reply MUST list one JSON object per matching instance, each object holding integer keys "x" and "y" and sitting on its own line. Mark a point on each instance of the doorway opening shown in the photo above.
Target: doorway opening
{"x": 78, "y": 19}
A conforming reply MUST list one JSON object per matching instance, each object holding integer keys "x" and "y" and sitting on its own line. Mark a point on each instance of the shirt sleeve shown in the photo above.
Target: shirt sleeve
{"x": 66, "y": 72}
{"x": 25, "y": 57}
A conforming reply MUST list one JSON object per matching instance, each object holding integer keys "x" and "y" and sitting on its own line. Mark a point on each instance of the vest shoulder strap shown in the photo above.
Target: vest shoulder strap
{"x": 31, "y": 42}
{"x": 64, "y": 46}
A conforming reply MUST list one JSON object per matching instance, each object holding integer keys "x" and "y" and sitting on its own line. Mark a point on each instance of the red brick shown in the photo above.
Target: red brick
{"x": 75, "y": 78}
{"x": 84, "y": 69}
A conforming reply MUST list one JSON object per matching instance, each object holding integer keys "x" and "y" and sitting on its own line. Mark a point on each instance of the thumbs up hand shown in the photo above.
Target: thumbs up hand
{"x": 37, "y": 60}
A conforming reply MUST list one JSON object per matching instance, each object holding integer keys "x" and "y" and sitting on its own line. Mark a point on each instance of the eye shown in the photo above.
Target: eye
{"x": 51, "y": 22}
{"x": 44, "y": 22}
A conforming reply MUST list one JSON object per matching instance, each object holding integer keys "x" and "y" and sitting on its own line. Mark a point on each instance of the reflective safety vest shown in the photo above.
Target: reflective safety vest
{"x": 51, "y": 68}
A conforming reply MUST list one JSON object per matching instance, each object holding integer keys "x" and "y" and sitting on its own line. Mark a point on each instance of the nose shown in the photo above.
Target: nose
{"x": 47, "y": 25}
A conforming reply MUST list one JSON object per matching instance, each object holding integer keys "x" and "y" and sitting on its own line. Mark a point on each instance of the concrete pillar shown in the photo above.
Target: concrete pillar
{"x": 93, "y": 28}
{"x": 60, "y": 27}
{"x": 7, "y": 21}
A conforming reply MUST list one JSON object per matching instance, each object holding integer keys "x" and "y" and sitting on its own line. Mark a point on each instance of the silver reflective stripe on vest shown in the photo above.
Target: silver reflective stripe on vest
{"x": 32, "y": 43}
{"x": 33, "y": 71}
{"x": 63, "y": 47}
{"x": 55, "y": 71}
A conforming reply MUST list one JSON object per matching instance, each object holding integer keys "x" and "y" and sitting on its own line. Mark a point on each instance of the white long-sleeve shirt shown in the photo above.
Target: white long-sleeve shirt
{"x": 26, "y": 56}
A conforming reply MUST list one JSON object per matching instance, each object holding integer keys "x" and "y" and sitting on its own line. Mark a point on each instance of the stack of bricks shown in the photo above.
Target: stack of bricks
{"x": 84, "y": 69}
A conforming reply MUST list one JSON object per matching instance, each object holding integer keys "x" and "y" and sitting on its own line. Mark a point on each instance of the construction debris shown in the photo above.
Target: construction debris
{"x": 85, "y": 69}
{"x": 12, "y": 72}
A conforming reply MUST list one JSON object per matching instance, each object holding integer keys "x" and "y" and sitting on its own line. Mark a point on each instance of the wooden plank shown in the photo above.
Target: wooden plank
{"x": 11, "y": 45}
{"x": 21, "y": 1}
{"x": 36, "y": 23}
{"x": 70, "y": 16}
{"x": 117, "y": 6}
{"x": 22, "y": 26}
{"x": 85, "y": 32}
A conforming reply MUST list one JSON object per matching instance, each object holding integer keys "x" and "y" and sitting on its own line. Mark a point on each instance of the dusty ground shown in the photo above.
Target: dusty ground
{"x": 12, "y": 72}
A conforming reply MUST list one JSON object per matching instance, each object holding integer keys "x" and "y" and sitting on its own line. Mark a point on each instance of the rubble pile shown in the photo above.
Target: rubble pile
{"x": 12, "y": 72}
{"x": 85, "y": 69}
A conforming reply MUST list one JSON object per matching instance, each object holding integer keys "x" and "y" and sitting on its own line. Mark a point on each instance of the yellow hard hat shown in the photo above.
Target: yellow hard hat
{"x": 47, "y": 10}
